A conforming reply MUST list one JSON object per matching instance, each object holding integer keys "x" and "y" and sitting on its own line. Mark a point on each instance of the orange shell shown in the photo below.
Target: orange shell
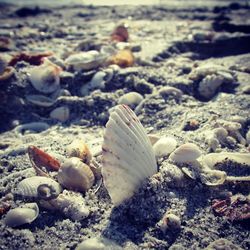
{"x": 41, "y": 159}
{"x": 124, "y": 58}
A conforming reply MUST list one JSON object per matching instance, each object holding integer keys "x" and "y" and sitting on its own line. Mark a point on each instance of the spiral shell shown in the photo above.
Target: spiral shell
{"x": 76, "y": 175}
{"x": 78, "y": 148}
{"x": 22, "y": 215}
{"x": 38, "y": 187}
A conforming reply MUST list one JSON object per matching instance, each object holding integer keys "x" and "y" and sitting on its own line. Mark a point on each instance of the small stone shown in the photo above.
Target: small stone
{"x": 164, "y": 146}
{"x": 143, "y": 87}
{"x": 61, "y": 114}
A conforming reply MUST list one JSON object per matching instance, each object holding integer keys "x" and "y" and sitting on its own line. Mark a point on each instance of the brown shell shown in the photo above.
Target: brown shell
{"x": 120, "y": 34}
{"x": 123, "y": 58}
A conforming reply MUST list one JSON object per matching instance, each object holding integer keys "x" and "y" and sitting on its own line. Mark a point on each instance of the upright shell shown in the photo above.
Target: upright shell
{"x": 45, "y": 78}
{"x": 38, "y": 187}
{"x": 128, "y": 156}
{"x": 22, "y": 215}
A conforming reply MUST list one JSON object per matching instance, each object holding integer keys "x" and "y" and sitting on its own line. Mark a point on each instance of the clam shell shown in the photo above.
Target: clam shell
{"x": 74, "y": 174}
{"x": 22, "y": 215}
{"x": 78, "y": 148}
{"x": 40, "y": 100}
{"x": 38, "y": 187}
{"x": 61, "y": 114}
{"x": 128, "y": 156}
{"x": 164, "y": 146}
{"x": 185, "y": 153}
{"x": 45, "y": 78}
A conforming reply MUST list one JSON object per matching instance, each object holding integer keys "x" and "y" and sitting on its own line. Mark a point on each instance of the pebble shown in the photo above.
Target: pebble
{"x": 164, "y": 146}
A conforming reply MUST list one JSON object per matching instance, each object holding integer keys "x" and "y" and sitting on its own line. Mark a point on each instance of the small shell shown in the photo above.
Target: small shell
{"x": 45, "y": 78}
{"x": 120, "y": 34}
{"x": 213, "y": 177}
{"x": 74, "y": 174}
{"x": 132, "y": 99}
{"x": 7, "y": 73}
{"x": 78, "y": 148}
{"x": 71, "y": 204}
{"x": 123, "y": 58}
{"x": 40, "y": 159}
{"x": 38, "y": 187}
{"x": 169, "y": 221}
{"x": 61, "y": 114}
{"x": 86, "y": 60}
{"x": 128, "y": 157}
{"x": 185, "y": 153}
{"x": 32, "y": 126}
{"x": 164, "y": 146}
{"x": 40, "y": 100}
{"x": 98, "y": 244}
{"x": 22, "y": 215}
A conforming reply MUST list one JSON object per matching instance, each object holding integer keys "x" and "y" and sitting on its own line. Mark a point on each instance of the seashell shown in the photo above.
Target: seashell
{"x": 45, "y": 78}
{"x": 128, "y": 157}
{"x": 188, "y": 152}
{"x": 169, "y": 221}
{"x": 86, "y": 60}
{"x": 74, "y": 174}
{"x": 170, "y": 91}
{"x": 120, "y": 34}
{"x": 78, "y": 148}
{"x": 153, "y": 138}
{"x": 209, "y": 85}
{"x": 132, "y": 99}
{"x": 164, "y": 146}
{"x": 40, "y": 100}
{"x": 40, "y": 159}
{"x": 99, "y": 243}
{"x": 38, "y": 187}
{"x": 210, "y": 160}
{"x": 213, "y": 177}
{"x": 123, "y": 58}
{"x": 71, "y": 204}
{"x": 61, "y": 114}
{"x": 7, "y": 73}
{"x": 22, "y": 215}
{"x": 32, "y": 126}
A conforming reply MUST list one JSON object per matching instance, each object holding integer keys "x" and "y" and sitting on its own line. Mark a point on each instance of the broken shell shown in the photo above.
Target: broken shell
{"x": 123, "y": 58}
{"x": 128, "y": 156}
{"x": 7, "y": 73}
{"x": 164, "y": 146}
{"x": 40, "y": 100}
{"x": 74, "y": 174}
{"x": 71, "y": 204}
{"x": 41, "y": 159}
{"x": 132, "y": 99}
{"x": 169, "y": 221}
{"x": 78, "y": 148}
{"x": 32, "y": 126}
{"x": 86, "y": 60}
{"x": 185, "y": 153}
{"x": 22, "y": 215}
{"x": 213, "y": 177}
{"x": 38, "y": 187}
{"x": 45, "y": 78}
{"x": 214, "y": 158}
{"x": 61, "y": 114}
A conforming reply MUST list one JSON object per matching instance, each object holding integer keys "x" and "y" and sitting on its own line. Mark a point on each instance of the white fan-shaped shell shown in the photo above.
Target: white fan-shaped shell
{"x": 45, "y": 78}
{"x": 128, "y": 156}
{"x": 32, "y": 187}
{"x": 22, "y": 215}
